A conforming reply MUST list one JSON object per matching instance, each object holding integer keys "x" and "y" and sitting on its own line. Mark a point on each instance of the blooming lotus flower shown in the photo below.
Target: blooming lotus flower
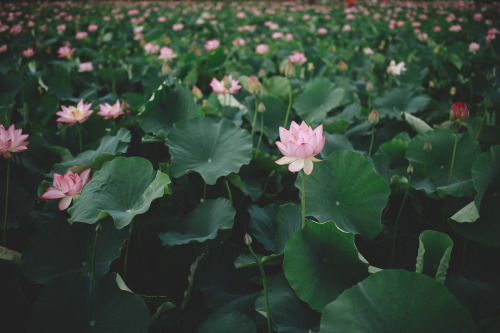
{"x": 12, "y": 141}
{"x": 65, "y": 52}
{"x": 28, "y": 53}
{"x": 60, "y": 28}
{"x": 178, "y": 27}
{"x": 67, "y": 187}
{"x": 85, "y": 67}
{"x": 92, "y": 27}
{"x": 322, "y": 31}
{"x": 3, "y": 48}
{"x": 262, "y": 48}
{"x": 396, "y": 69}
{"x": 108, "y": 111}
{"x": 297, "y": 58}
{"x": 212, "y": 45}
{"x": 72, "y": 115}
{"x": 299, "y": 145}
{"x": 226, "y": 86}
{"x": 166, "y": 53}
{"x": 81, "y": 35}
{"x": 473, "y": 47}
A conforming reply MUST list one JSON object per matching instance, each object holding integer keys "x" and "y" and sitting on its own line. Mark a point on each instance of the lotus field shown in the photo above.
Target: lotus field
{"x": 250, "y": 167}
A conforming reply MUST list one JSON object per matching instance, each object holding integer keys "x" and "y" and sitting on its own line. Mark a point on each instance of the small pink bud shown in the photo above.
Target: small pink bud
{"x": 289, "y": 70}
{"x": 197, "y": 93}
{"x": 342, "y": 66}
{"x": 261, "y": 108}
{"x": 247, "y": 239}
{"x": 254, "y": 85}
{"x": 373, "y": 117}
{"x": 459, "y": 111}
{"x": 369, "y": 86}
{"x": 427, "y": 146}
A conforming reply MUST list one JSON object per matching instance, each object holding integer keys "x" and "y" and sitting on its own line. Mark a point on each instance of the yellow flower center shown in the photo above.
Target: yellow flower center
{"x": 75, "y": 114}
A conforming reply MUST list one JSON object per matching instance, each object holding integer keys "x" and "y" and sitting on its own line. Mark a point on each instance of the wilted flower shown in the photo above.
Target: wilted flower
{"x": 297, "y": 58}
{"x": 226, "y": 86}
{"x": 72, "y": 115}
{"x": 262, "y": 48}
{"x": 108, "y": 111}
{"x": 65, "y": 52}
{"x": 299, "y": 145}
{"x": 12, "y": 141}
{"x": 67, "y": 187}
{"x": 212, "y": 45}
{"x": 459, "y": 111}
{"x": 253, "y": 85}
{"x": 396, "y": 69}
{"x": 373, "y": 118}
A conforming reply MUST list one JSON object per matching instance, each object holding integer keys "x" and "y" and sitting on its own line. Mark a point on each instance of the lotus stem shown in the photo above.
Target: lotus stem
{"x": 94, "y": 252}
{"x": 303, "y": 199}
{"x": 80, "y": 137}
{"x": 394, "y": 233}
{"x": 453, "y": 157}
{"x": 264, "y": 283}
{"x": 289, "y": 103}
{"x": 254, "y": 117}
{"x": 371, "y": 142}
{"x": 229, "y": 196}
{"x": 125, "y": 263}
{"x": 6, "y": 205}
{"x": 261, "y": 131}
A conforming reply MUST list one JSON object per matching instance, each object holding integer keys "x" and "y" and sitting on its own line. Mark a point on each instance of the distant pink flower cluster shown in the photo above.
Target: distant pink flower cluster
{"x": 262, "y": 48}
{"x": 67, "y": 187}
{"x": 297, "y": 58}
{"x": 212, "y": 45}
{"x": 12, "y": 141}
{"x": 226, "y": 86}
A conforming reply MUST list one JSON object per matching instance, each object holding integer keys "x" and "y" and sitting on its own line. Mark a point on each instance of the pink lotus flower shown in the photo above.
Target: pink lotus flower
{"x": 67, "y": 187}
{"x": 178, "y": 27}
{"x": 16, "y": 29}
{"x": 108, "y": 111}
{"x": 262, "y": 48}
{"x": 72, "y": 115}
{"x": 459, "y": 111}
{"x": 85, "y": 67}
{"x": 212, "y": 45}
{"x": 226, "y": 86}
{"x": 238, "y": 41}
{"x": 473, "y": 47}
{"x": 297, "y": 58}
{"x": 28, "y": 53}
{"x": 65, "y": 52}
{"x": 81, "y": 35}
{"x": 60, "y": 28}
{"x": 455, "y": 28}
{"x": 396, "y": 69}
{"x": 92, "y": 27}
{"x": 437, "y": 28}
{"x": 322, "y": 31}
{"x": 299, "y": 145}
{"x": 3, "y": 48}
{"x": 166, "y": 53}
{"x": 12, "y": 141}
{"x": 151, "y": 48}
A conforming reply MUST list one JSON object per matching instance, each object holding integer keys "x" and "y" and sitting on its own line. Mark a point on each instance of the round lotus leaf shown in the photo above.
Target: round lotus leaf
{"x": 213, "y": 149}
{"x": 228, "y": 323}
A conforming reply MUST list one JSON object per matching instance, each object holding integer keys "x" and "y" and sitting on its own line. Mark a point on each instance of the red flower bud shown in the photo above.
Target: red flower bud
{"x": 459, "y": 111}
{"x": 342, "y": 66}
{"x": 373, "y": 117}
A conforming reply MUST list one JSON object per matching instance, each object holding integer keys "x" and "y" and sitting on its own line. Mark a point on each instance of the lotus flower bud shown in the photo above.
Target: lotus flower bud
{"x": 410, "y": 169}
{"x": 197, "y": 93}
{"x": 261, "y": 108}
{"x": 289, "y": 70}
{"x": 254, "y": 85}
{"x": 247, "y": 239}
{"x": 310, "y": 66}
{"x": 342, "y": 66}
{"x": 262, "y": 73}
{"x": 373, "y": 118}
{"x": 427, "y": 146}
{"x": 459, "y": 111}
{"x": 369, "y": 86}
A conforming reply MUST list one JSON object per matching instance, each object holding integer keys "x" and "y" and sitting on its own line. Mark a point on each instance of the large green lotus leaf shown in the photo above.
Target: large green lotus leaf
{"x": 399, "y": 99}
{"x": 467, "y": 214}
{"x": 320, "y": 262}
{"x": 274, "y": 117}
{"x": 318, "y": 97}
{"x": 65, "y": 248}
{"x": 434, "y": 253}
{"x": 486, "y": 174}
{"x": 346, "y": 189}
{"x": 122, "y": 188}
{"x": 263, "y": 224}
{"x": 170, "y": 103}
{"x": 209, "y": 148}
{"x": 229, "y": 322}
{"x": 396, "y": 301}
{"x": 334, "y": 142}
{"x": 75, "y": 303}
{"x": 113, "y": 145}
{"x": 289, "y": 220}
{"x": 276, "y": 86}
{"x": 431, "y": 169}
{"x": 288, "y": 313}
{"x": 202, "y": 223}
{"x": 460, "y": 189}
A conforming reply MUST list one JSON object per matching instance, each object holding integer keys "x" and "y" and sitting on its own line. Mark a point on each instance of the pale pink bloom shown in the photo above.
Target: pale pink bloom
{"x": 368, "y": 51}
{"x": 92, "y": 27}
{"x": 133, "y": 12}
{"x": 85, "y": 67}
{"x": 43, "y": 28}
{"x": 241, "y": 15}
{"x": 28, "y": 53}
{"x": 306, "y": 17}
{"x": 106, "y": 18}
{"x": 276, "y": 35}
{"x": 238, "y": 41}
{"x": 422, "y": 36}
{"x": 299, "y": 145}
{"x": 473, "y": 47}
{"x": 297, "y": 58}
{"x": 492, "y": 31}
{"x": 322, "y": 31}
{"x": 178, "y": 27}
{"x": 416, "y": 24}
{"x": 67, "y": 187}
{"x": 3, "y": 28}
{"x": 72, "y": 115}
{"x": 108, "y": 111}
{"x": 437, "y": 28}
{"x": 65, "y": 52}
{"x": 262, "y": 48}
{"x": 12, "y": 141}
{"x": 400, "y": 24}
{"x": 151, "y": 48}
{"x": 81, "y": 35}
{"x": 346, "y": 27}
{"x": 199, "y": 21}
{"x": 212, "y": 45}
{"x": 226, "y": 86}
{"x": 60, "y": 28}
{"x": 30, "y": 24}
{"x": 478, "y": 16}
{"x": 16, "y": 30}
{"x": 396, "y": 69}
{"x": 214, "y": 22}
{"x": 3, "y": 48}
{"x": 349, "y": 17}
{"x": 166, "y": 53}
{"x": 161, "y": 19}
{"x": 455, "y": 28}
{"x": 289, "y": 36}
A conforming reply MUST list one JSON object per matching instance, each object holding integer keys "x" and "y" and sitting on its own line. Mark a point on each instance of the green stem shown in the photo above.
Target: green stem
{"x": 229, "y": 196}
{"x": 94, "y": 252}
{"x": 261, "y": 131}
{"x": 264, "y": 283}
{"x": 303, "y": 199}
{"x": 453, "y": 157}
{"x": 6, "y": 204}
{"x": 289, "y": 104}
{"x": 371, "y": 143}
{"x": 125, "y": 263}
{"x": 254, "y": 117}
{"x": 393, "y": 251}
{"x": 80, "y": 138}
{"x": 369, "y": 101}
